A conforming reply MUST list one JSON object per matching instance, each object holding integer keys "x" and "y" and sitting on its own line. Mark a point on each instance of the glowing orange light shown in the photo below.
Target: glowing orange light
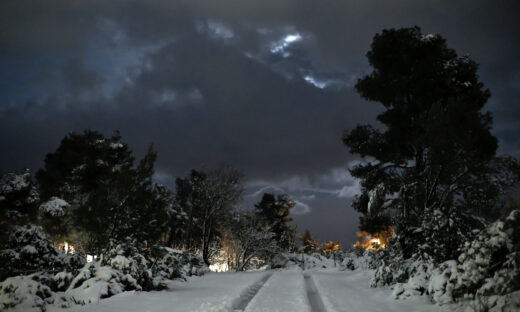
{"x": 373, "y": 240}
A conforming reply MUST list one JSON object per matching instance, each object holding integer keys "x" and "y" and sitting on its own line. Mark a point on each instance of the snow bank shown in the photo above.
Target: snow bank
{"x": 351, "y": 291}
{"x": 297, "y": 261}
{"x": 65, "y": 279}
{"x": 208, "y": 293}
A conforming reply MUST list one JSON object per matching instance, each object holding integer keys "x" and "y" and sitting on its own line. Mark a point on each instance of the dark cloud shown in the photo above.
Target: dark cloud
{"x": 265, "y": 85}
{"x": 79, "y": 77}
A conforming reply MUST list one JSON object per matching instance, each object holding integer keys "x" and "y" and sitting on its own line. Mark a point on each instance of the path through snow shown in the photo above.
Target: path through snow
{"x": 245, "y": 298}
{"x": 313, "y": 295}
{"x": 270, "y": 291}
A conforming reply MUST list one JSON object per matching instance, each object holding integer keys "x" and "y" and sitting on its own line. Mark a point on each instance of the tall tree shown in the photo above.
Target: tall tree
{"x": 248, "y": 237}
{"x": 275, "y": 210}
{"x": 207, "y": 199}
{"x": 309, "y": 244}
{"x": 185, "y": 231}
{"x": 110, "y": 198}
{"x": 433, "y": 161}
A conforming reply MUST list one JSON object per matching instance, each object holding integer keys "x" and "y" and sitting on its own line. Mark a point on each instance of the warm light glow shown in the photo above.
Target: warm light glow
{"x": 218, "y": 267}
{"x": 65, "y": 247}
{"x": 373, "y": 240}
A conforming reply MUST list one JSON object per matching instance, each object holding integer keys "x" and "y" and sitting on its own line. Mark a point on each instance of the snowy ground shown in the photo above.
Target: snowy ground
{"x": 263, "y": 291}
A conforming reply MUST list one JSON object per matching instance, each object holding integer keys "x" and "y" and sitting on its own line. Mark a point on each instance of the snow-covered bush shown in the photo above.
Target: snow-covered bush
{"x": 302, "y": 261}
{"x": 130, "y": 261}
{"x": 54, "y": 207}
{"x": 418, "y": 272}
{"x": 485, "y": 275}
{"x": 488, "y": 266}
{"x": 168, "y": 263}
{"x": 27, "y": 251}
{"x": 26, "y": 292}
{"x": 55, "y": 216}
{"x": 491, "y": 262}
{"x": 125, "y": 268}
{"x": 17, "y": 190}
{"x": 390, "y": 265}
{"x": 96, "y": 281}
{"x": 150, "y": 267}
{"x": 361, "y": 259}
{"x": 442, "y": 281}
{"x": 192, "y": 264}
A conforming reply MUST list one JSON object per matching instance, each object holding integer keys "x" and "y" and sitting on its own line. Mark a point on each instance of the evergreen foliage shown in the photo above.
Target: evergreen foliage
{"x": 109, "y": 196}
{"x": 28, "y": 250}
{"x": 19, "y": 199}
{"x": 434, "y": 158}
{"x": 309, "y": 244}
{"x": 275, "y": 211}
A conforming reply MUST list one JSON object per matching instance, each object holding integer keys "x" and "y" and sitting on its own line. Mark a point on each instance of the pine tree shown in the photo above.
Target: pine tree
{"x": 309, "y": 244}
{"x": 275, "y": 211}
{"x": 109, "y": 198}
{"x": 434, "y": 159}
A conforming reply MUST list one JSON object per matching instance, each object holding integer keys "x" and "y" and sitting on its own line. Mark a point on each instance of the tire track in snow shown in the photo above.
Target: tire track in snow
{"x": 312, "y": 294}
{"x": 250, "y": 293}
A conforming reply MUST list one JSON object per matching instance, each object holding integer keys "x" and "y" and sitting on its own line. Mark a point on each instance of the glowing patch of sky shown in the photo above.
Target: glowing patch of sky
{"x": 281, "y": 45}
{"x": 314, "y": 82}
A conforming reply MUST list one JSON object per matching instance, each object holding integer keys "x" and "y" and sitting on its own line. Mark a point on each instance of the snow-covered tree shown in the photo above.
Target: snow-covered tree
{"x": 28, "y": 250}
{"x": 185, "y": 231}
{"x": 433, "y": 163}
{"x": 206, "y": 200}
{"x": 55, "y": 216}
{"x": 19, "y": 199}
{"x": 309, "y": 244}
{"x": 249, "y": 237}
{"x": 109, "y": 197}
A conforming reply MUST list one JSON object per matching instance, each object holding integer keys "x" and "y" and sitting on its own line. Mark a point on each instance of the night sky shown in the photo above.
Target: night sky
{"x": 263, "y": 85}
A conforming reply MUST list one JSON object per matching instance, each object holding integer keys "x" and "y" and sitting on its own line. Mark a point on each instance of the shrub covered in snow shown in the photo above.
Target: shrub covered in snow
{"x": 361, "y": 259}
{"x": 121, "y": 268}
{"x": 26, "y": 292}
{"x": 96, "y": 281}
{"x": 391, "y": 267}
{"x": 151, "y": 267}
{"x": 27, "y": 250}
{"x": 488, "y": 266}
{"x": 170, "y": 263}
{"x": 485, "y": 276}
{"x": 302, "y": 261}
{"x": 125, "y": 257}
{"x": 56, "y": 218}
{"x": 418, "y": 272}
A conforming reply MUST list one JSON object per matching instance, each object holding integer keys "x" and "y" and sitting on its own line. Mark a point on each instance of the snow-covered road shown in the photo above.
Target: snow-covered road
{"x": 308, "y": 291}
